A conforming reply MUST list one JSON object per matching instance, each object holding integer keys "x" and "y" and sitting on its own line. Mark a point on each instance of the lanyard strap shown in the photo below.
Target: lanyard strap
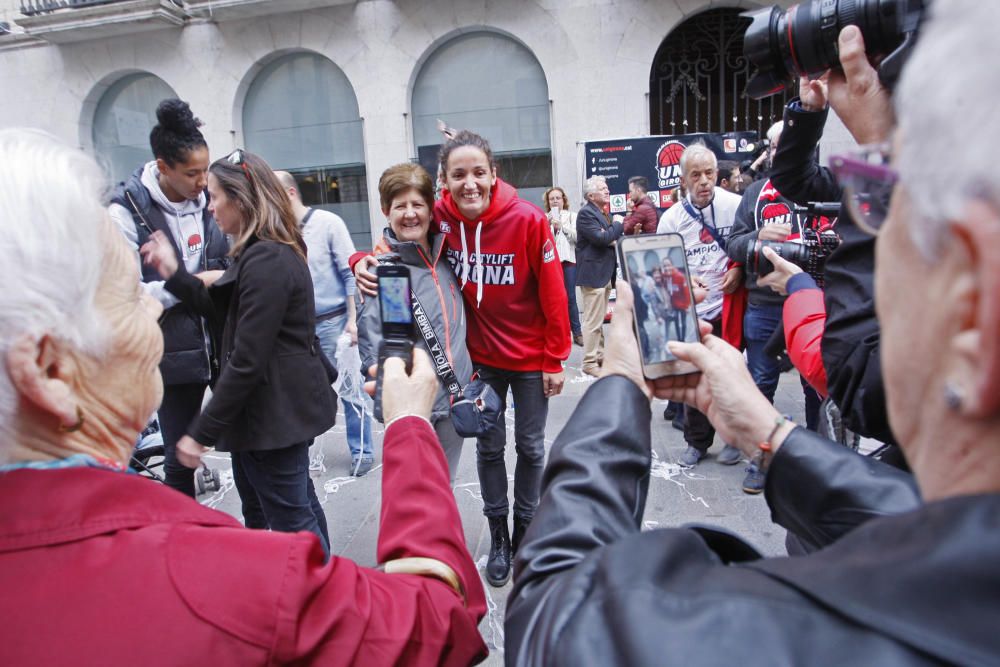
{"x": 441, "y": 364}
{"x": 306, "y": 217}
{"x": 700, "y": 217}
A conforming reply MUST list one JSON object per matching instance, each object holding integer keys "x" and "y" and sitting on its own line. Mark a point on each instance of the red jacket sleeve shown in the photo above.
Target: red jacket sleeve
{"x": 349, "y": 614}
{"x": 804, "y": 317}
{"x": 355, "y": 258}
{"x": 272, "y": 594}
{"x": 551, "y": 295}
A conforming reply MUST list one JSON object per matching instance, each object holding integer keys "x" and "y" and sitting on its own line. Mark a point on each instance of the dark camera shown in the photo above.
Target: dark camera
{"x": 803, "y": 40}
{"x": 810, "y": 253}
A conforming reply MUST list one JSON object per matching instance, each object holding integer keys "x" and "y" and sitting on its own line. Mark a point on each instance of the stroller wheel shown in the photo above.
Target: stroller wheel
{"x": 206, "y": 480}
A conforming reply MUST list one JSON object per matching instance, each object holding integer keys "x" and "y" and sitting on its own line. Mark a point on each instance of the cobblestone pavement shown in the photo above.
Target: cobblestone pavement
{"x": 709, "y": 493}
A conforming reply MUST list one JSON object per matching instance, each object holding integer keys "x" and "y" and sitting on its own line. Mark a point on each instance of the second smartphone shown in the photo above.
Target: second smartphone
{"x": 655, "y": 266}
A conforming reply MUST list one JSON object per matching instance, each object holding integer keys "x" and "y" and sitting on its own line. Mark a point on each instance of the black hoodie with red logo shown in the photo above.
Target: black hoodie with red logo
{"x": 763, "y": 205}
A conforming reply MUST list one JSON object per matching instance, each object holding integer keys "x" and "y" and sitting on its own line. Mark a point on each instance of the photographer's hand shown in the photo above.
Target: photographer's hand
{"x": 724, "y": 391}
{"x": 783, "y": 271}
{"x": 408, "y": 395}
{"x": 857, "y": 95}
{"x": 621, "y": 353}
{"x": 813, "y": 94}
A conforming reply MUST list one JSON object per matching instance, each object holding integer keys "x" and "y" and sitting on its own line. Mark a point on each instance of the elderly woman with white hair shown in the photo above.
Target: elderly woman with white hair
{"x": 104, "y": 566}
{"x": 903, "y": 579}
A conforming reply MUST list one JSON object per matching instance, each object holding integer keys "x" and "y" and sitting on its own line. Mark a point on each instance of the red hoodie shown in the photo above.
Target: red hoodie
{"x": 518, "y": 318}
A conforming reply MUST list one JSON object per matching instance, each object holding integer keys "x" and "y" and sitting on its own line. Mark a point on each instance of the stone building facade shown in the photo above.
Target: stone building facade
{"x": 338, "y": 90}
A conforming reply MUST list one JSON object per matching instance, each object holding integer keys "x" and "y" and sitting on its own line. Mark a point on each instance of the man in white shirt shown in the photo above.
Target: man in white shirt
{"x": 703, "y": 218}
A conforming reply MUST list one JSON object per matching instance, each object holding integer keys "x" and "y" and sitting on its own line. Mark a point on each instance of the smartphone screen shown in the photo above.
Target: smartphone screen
{"x": 394, "y": 299}
{"x": 656, "y": 269}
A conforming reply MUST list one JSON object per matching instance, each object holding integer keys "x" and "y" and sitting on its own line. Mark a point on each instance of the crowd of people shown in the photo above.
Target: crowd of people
{"x": 206, "y": 274}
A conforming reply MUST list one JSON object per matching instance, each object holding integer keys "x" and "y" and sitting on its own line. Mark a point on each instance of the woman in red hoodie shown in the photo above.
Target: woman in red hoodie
{"x": 504, "y": 256}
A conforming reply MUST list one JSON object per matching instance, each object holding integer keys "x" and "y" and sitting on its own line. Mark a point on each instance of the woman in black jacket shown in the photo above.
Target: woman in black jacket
{"x": 273, "y": 394}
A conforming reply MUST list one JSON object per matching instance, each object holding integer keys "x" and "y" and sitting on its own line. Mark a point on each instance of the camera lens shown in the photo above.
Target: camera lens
{"x": 803, "y": 40}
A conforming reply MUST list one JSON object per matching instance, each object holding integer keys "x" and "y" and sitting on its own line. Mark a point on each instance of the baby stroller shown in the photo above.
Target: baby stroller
{"x": 149, "y": 446}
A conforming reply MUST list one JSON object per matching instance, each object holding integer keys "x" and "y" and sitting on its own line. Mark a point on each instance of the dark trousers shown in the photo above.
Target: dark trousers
{"x": 698, "y": 431}
{"x": 181, "y": 404}
{"x": 532, "y": 409}
{"x": 569, "y": 277}
{"x": 277, "y": 492}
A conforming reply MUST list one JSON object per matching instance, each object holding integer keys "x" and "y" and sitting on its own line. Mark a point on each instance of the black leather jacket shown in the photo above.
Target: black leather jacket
{"x": 851, "y": 337}
{"x": 591, "y": 588}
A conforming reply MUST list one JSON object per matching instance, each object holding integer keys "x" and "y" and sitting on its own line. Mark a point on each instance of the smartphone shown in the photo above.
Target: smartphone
{"x": 655, "y": 266}
{"x": 396, "y": 314}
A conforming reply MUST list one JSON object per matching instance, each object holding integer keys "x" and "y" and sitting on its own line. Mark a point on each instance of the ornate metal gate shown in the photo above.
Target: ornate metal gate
{"x": 699, "y": 76}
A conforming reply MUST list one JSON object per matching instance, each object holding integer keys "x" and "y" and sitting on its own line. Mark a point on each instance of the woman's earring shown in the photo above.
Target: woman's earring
{"x": 952, "y": 396}
{"x": 73, "y": 427}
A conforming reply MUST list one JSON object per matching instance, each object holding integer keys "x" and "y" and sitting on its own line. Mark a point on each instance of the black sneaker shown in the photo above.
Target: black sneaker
{"x": 670, "y": 412}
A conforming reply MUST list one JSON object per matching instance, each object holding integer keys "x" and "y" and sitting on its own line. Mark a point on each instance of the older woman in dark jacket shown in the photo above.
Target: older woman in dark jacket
{"x": 273, "y": 395}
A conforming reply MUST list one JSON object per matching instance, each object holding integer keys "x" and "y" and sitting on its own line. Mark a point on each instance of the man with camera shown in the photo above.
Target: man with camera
{"x": 851, "y": 337}
{"x": 766, "y": 217}
{"x": 893, "y": 560}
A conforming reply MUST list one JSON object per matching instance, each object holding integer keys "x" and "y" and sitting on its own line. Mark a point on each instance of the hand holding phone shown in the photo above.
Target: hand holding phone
{"x": 655, "y": 266}
{"x": 396, "y": 312}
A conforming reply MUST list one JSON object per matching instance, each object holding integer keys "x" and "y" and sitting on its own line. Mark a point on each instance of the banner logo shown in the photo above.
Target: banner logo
{"x": 668, "y": 165}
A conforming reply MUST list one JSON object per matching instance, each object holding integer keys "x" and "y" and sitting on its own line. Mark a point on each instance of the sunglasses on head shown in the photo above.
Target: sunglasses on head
{"x": 238, "y": 158}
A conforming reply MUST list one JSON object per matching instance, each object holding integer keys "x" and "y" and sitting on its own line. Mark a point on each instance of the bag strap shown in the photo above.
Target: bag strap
{"x": 700, "y": 217}
{"x": 441, "y": 364}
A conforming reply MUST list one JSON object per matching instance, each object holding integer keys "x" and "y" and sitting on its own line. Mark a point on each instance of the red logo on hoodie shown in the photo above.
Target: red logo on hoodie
{"x": 548, "y": 252}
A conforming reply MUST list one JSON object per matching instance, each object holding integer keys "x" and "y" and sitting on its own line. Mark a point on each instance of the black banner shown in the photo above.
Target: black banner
{"x": 658, "y": 159}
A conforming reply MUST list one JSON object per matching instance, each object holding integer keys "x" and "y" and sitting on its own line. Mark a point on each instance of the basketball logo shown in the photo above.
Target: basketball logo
{"x": 668, "y": 164}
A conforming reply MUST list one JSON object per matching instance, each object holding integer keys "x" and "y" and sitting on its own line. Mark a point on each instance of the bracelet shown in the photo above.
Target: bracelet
{"x": 426, "y": 567}
{"x": 765, "y": 450}
{"x": 403, "y": 416}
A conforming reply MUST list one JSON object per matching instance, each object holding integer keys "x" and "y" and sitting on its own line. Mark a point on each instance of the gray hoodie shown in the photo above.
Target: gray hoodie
{"x": 438, "y": 292}
{"x": 184, "y": 220}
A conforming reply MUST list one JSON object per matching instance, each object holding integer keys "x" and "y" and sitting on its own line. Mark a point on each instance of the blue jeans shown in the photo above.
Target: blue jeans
{"x": 359, "y": 429}
{"x": 529, "y": 441}
{"x": 569, "y": 277}
{"x": 759, "y": 324}
{"x": 277, "y": 492}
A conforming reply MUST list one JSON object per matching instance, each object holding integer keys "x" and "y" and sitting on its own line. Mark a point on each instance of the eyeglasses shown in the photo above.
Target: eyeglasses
{"x": 868, "y": 182}
{"x": 237, "y": 157}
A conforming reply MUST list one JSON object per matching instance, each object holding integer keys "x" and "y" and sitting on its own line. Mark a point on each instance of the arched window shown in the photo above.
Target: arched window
{"x": 508, "y": 105}
{"x": 301, "y": 115}
{"x": 699, "y": 76}
{"x": 125, "y": 115}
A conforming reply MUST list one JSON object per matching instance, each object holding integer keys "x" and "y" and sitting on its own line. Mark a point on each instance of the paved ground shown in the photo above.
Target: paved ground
{"x": 710, "y": 493}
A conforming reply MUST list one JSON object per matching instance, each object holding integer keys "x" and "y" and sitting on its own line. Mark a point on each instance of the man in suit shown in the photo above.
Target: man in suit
{"x": 596, "y": 236}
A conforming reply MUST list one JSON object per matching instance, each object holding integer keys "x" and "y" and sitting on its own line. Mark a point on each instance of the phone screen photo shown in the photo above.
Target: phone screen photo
{"x": 656, "y": 269}
{"x": 394, "y": 300}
